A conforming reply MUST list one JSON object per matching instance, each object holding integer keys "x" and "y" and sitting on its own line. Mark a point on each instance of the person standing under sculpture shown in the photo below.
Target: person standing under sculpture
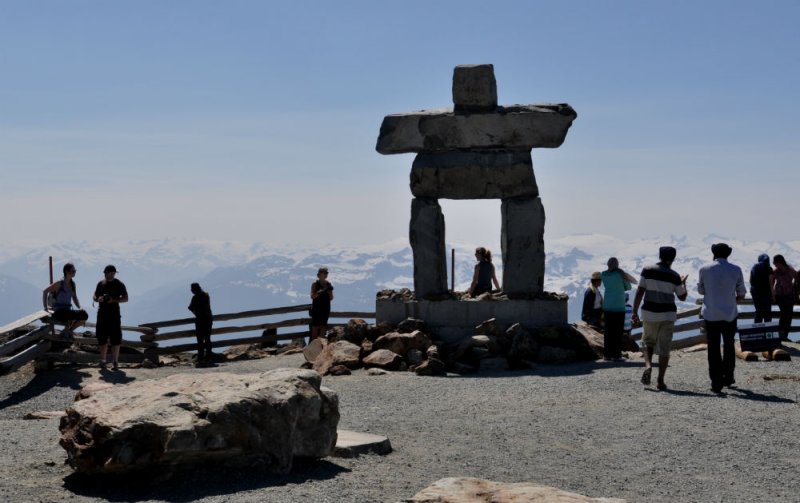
{"x": 109, "y": 294}
{"x": 761, "y": 289}
{"x": 615, "y": 283}
{"x": 783, "y": 293}
{"x": 321, "y": 297}
{"x": 200, "y": 305}
{"x": 484, "y": 274}
{"x": 658, "y": 287}
{"x": 722, "y": 286}
{"x": 64, "y": 294}
{"x": 592, "y": 311}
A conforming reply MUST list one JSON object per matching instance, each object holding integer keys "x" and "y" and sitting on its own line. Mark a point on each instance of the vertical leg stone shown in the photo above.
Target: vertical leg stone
{"x": 522, "y": 242}
{"x": 426, "y": 234}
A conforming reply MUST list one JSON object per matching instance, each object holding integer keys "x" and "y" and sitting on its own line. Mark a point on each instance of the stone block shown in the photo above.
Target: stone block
{"x": 238, "y": 420}
{"x": 474, "y": 88}
{"x": 351, "y": 444}
{"x": 474, "y": 175}
{"x": 426, "y": 234}
{"x": 522, "y": 243}
{"x": 516, "y": 127}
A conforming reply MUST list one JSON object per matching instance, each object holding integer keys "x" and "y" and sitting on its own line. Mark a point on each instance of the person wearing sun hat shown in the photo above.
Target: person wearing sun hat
{"x": 722, "y": 286}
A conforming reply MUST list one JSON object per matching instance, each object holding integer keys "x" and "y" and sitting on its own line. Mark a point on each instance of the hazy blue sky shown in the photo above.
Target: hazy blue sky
{"x": 258, "y": 120}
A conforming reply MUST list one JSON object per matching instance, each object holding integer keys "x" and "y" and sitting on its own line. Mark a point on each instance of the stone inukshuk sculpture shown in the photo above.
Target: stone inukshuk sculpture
{"x": 477, "y": 150}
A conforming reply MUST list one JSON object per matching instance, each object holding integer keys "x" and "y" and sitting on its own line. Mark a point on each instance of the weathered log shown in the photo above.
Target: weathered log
{"x": 231, "y": 316}
{"x": 27, "y": 320}
{"x": 778, "y": 355}
{"x": 182, "y": 334}
{"x": 13, "y": 363}
{"x": 688, "y": 342}
{"x": 747, "y": 356}
{"x": 22, "y": 341}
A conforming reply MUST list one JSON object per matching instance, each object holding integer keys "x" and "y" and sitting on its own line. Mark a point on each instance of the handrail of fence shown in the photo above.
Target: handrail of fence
{"x": 36, "y": 342}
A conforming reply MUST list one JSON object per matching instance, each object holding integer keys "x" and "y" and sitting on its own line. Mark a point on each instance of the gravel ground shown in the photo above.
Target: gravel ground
{"x": 589, "y": 427}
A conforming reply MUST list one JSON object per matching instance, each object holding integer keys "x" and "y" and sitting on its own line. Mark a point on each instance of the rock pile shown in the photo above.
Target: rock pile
{"x": 410, "y": 345}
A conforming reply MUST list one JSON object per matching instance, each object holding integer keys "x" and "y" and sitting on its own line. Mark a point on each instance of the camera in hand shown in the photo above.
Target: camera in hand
{"x": 106, "y": 298}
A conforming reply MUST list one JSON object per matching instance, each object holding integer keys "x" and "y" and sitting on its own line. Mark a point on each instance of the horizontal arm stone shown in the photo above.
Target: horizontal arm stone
{"x": 512, "y": 127}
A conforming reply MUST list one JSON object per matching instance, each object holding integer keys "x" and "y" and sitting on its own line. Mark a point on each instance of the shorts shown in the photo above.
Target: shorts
{"x": 658, "y": 335}
{"x": 109, "y": 331}
{"x": 65, "y": 315}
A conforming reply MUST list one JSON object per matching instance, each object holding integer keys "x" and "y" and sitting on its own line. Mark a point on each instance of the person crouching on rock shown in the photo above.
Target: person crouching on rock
{"x": 64, "y": 293}
{"x": 484, "y": 274}
{"x": 321, "y": 297}
{"x": 200, "y": 305}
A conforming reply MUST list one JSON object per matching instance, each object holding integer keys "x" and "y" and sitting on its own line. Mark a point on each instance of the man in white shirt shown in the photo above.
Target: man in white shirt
{"x": 722, "y": 285}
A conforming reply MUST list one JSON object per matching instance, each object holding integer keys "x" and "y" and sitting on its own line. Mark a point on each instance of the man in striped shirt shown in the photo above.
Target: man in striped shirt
{"x": 658, "y": 286}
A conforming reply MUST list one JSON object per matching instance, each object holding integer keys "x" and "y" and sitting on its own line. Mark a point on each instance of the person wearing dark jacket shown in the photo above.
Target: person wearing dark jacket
{"x": 761, "y": 289}
{"x": 592, "y": 312}
{"x": 201, "y": 307}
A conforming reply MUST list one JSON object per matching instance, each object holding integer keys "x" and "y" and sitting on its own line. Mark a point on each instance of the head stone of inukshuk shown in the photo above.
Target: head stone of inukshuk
{"x": 477, "y": 150}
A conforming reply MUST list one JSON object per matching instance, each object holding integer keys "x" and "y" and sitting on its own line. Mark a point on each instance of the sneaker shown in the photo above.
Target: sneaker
{"x": 646, "y": 376}
{"x": 661, "y": 386}
{"x": 102, "y": 364}
{"x": 115, "y": 366}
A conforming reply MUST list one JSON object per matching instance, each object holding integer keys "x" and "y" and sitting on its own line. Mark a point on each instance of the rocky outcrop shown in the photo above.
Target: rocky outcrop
{"x": 265, "y": 419}
{"x": 471, "y": 490}
{"x": 401, "y": 343}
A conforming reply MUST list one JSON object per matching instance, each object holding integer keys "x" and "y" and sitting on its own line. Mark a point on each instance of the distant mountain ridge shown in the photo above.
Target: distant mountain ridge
{"x": 242, "y": 276}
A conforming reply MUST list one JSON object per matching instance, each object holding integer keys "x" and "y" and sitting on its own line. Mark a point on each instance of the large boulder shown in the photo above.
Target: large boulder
{"x": 401, "y": 343}
{"x": 338, "y": 353}
{"x": 265, "y": 419}
{"x": 524, "y": 345}
{"x": 383, "y": 358}
{"x": 471, "y": 490}
{"x": 356, "y": 330}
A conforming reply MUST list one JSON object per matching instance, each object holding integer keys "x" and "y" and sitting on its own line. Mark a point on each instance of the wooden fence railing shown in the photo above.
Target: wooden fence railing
{"x": 697, "y": 323}
{"x": 45, "y": 343}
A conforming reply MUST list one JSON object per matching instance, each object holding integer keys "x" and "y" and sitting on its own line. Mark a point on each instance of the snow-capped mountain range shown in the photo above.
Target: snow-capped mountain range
{"x": 242, "y": 276}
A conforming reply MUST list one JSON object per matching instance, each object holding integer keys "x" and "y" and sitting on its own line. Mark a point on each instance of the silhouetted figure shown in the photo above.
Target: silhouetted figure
{"x": 615, "y": 283}
{"x": 484, "y": 274}
{"x": 200, "y": 305}
{"x": 109, "y": 294}
{"x": 321, "y": 297}
{"x": 761, "y": 289}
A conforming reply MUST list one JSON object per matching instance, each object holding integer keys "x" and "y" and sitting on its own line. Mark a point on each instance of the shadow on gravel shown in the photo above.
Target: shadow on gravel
{"x": 115, "y": 376}
{"x": 552, "y": 370}
{"x": 746, "y": 394}
{"x": 42, "y": 382}
{"x": 186, "y": 485}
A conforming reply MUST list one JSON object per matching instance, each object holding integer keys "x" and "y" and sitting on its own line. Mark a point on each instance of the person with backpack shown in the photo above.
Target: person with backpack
{"x": 63, "y": 294}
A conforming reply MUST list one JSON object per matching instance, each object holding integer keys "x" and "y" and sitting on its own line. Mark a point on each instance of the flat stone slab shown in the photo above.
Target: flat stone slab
{"x": 351, "y": 444}
{"x": 471, "y": 490}
{"x": 441, "y": 130}
{"x": 474, "y": 175}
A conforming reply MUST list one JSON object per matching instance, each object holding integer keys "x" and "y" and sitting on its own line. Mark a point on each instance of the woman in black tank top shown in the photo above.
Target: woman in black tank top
{"x": 484, "y": 274}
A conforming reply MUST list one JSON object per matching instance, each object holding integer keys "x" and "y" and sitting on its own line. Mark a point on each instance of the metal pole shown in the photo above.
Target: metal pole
{"x": 452, "y": 270}
{"x": 51, "y": 270}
